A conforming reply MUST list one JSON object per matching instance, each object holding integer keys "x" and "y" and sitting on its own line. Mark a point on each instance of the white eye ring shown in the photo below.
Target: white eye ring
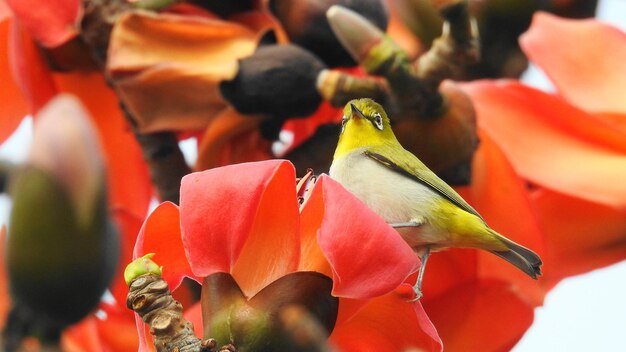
{"x": 343, "y": 123}
{"x": 378, "y": 121}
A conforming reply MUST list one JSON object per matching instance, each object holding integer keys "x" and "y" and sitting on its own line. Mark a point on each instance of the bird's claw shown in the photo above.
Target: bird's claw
{"x": 411, "y": 223}
{"x": 418, "y": 295}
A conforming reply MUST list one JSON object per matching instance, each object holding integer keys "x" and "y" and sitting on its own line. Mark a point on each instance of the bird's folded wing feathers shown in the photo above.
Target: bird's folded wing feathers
{"x": 407, "y": 164}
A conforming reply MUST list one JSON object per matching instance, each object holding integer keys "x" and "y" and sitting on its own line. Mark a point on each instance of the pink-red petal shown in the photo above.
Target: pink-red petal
{"x": 367, "y": 256}
{"x": 583, "y": 58}
{"x": 232, "y": 216}
{"x": 552, "y": 143}
{"x": 51, "y": 23}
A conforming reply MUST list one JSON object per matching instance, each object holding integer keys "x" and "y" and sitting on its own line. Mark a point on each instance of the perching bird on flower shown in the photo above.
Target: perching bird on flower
{"x": 370, "y": 162}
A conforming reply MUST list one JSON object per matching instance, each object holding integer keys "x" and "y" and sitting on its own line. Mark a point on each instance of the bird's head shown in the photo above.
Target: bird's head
{"x": 365, "y": 123}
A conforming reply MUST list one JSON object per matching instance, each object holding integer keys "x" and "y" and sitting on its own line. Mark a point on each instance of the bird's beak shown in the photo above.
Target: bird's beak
{"x": 356, "y": 112}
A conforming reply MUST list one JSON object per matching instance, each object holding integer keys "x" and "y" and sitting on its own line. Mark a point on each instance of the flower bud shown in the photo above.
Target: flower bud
{"x": 62, "y": 250}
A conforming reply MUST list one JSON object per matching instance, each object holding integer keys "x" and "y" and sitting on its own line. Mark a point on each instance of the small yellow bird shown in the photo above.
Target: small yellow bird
{"x": 370, "y": 162}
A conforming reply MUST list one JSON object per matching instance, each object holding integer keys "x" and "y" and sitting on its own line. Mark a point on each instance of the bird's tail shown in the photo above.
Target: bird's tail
{"x": 522, "y": 257}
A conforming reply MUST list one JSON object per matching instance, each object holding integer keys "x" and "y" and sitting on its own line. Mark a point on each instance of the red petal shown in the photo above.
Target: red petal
{"x": 193, "y": 314}
{"x": 367, "y": 256}
{"x": 387, "y": 323}
{"x": 50, "y": 22}
{"x": 127, "y": 173}
{"x": 580, "y": 235}
{"x": 30, "y": 71}
{"x": 14, "y": 107}
{"x": 584, "y": 58}
{"x": 480, "y": 316}
{"x": 160, "y": 234}
{"x": 242, "y": 219}
{"x": 117, "y": 331}
{"x": 552, "y": 143}
{"x": 501, "y": 197}
{"x": 82, "y": 336}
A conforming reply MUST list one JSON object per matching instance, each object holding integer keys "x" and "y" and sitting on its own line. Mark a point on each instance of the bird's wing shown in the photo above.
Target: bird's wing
{"x": 407, "y": 164}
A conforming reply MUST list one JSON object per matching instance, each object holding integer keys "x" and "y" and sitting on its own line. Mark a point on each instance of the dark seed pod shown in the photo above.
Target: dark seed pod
{"x": 278, "y": 80}
{"x": 306, "y": 25}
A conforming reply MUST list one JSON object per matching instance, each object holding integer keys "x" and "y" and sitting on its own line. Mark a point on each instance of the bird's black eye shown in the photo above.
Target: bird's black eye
{"x": 343, "y": 123}
{"x": 378, "y": 121}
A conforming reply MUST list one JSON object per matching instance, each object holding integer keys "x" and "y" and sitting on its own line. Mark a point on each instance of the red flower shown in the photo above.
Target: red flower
{"x": 51, "y": 23}
{"x": 571, "y": 146}
{"x": 546, "y": 175}
{"x": 245, "y": 220}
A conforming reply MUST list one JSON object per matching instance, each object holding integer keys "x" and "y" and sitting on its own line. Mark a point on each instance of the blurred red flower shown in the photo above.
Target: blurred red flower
{"x": 547, "y": 174}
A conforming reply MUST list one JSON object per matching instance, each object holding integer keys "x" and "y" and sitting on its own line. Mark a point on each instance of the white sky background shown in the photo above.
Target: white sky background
{"x": 582, "y": 313}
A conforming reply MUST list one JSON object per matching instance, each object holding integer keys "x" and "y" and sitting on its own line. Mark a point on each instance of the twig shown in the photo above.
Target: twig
{"x": 150, "y": 297}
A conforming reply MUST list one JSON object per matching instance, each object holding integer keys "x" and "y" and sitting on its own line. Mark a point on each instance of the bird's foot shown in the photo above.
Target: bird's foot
{"x": 418, "y": 294}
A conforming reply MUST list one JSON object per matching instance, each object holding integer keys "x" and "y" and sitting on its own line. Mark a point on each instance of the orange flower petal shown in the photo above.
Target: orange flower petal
{"x": 223, "y": 128}
{"x": 387, "y": 323}
{"x": 160, "y": 234}
{"x": 30, "y": 71}
{"x": 552, "y": 143}
{"x": 170, "y": 98}
{"x": 584, "y": 58}
{"x": 230, "y": 216}
{"x": 485, "y": 315}
{"x": 180, "y": 60}
{"x": 14, "y": 107}
{"x": 127, "y": 174}
{"x": 580, "y": 235}
{"x": 51, "y": 23}
{"x": 382, "y": 261}
{"x": 191, "y": 41}
{"x": 311, "y": 256}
